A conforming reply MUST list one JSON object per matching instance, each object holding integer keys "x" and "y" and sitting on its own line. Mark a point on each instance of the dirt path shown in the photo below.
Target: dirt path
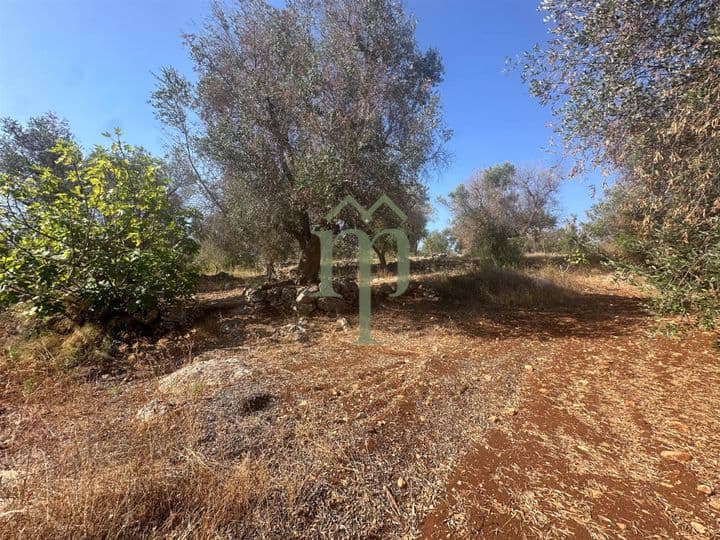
{"x": 581, "y": 455}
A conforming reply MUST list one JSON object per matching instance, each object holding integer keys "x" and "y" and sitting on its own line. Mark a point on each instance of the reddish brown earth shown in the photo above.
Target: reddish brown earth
{"x": 520, "y": 413}
{"x": 580, "y": 457}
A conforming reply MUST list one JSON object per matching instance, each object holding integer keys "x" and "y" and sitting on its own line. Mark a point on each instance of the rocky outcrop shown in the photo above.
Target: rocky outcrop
{"x": 205, "y": 371}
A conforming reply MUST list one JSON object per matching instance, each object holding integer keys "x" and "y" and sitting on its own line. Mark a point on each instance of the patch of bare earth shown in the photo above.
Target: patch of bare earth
{"x": 282, "y": 427}
{"x": 615, "y": 435}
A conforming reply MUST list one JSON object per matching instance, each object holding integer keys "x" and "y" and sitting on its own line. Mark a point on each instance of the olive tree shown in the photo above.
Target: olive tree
{"x": 498, "y": 209}
{"x": 636, "y": 86}
{"x": 299, "y": 106}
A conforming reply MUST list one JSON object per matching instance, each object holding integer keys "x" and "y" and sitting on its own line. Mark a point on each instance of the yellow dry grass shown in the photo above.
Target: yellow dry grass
{"x": 328, "y": 439}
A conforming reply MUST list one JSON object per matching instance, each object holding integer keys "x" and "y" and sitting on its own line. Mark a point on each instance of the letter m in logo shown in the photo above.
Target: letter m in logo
{"x": 365, "y": 245}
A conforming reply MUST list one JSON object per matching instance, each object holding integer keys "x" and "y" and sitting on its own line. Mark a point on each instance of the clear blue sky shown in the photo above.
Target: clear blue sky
{"x": 91, "y": 61}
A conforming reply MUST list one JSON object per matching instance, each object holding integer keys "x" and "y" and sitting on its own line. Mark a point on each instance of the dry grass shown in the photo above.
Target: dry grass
{"x": 504, "y": 287}
{"x": 327, "y": 439}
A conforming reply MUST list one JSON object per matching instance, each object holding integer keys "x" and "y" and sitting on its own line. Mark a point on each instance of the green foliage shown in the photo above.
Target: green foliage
{"x": 636, "y": 85}
{"x": 687, "y": 274}
{"x": 297, "y": 107}
{"x": 102, "y": 239}
{"x": 438, "y": 243}
{"x": 499, "y": 209}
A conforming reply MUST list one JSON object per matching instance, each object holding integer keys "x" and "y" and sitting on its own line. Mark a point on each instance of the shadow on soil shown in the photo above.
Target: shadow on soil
{"x": 502, "y": 304}
{"x": 492, "y": 303}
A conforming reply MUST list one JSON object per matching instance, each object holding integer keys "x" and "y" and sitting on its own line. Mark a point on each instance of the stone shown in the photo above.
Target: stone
{"x": 304, "y": 309}
{"x": 714, "y": 503}
{"x": 274, "y": 296}
{"x": 255, "y": 296}
{"x": 151, "y": 411}
{"x": 8, "y": 477}
{"x": 305, "y": 303}
{"x": 401, "y": 483}
{"x": 287, "y": 296}
{"x": 332, "y": 305}
{"x": 529, "y": 367}
{"x": 704, "y": 489}
{"x": 305, "y": 295}
{"x": 698, "y": 527}
{"x": 342, "y": 324}
{"x": 294, "y": 331}
{"x": 348, "y": 289}
{"x": 676, "y": 455}
{"x": 206, "y": 371}
{"x": 385, "y": 289}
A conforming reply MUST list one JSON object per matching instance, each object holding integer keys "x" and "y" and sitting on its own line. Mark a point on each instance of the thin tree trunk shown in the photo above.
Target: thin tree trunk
{"x": 381, "y": 257}
{"x": 309, "y": 264}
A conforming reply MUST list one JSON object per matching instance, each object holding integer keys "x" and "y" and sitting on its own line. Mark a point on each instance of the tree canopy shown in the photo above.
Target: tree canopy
{"x": 636, "y": 86}
{"x": 499, "y": 208}
{"x": 90, "y": 236}
{"x": 297, "y": 107}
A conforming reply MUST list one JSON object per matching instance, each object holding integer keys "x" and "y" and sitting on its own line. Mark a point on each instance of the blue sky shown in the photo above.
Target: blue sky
{"x": 91, "y": 61}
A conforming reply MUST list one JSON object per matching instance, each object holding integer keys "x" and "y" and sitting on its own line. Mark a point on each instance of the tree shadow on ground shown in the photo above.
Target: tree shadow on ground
{"x": 505, "y": 305}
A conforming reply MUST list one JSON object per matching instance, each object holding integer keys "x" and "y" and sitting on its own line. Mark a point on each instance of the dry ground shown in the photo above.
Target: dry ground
{"x": 507, "y": 407}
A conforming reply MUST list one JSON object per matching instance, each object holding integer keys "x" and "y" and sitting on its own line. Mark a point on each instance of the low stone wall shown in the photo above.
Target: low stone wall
{"x": 300, "y": 299}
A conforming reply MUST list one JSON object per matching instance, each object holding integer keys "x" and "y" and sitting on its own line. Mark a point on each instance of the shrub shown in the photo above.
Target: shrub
{"x": 103, "y": 238}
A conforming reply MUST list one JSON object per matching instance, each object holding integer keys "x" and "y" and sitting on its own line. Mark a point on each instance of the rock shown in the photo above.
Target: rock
{"x": 274, "y": 296}
{"x": 305, "y": 295}
{"x": 294, "y": 331}
{"x": 151, "y": 410}
{"x": 493, "y": 419}
{"x": 704, "y": 489}
{"x": 332, "y": 305}
{"x": 287, "y": 295}
{"x": 714, "y": 503}
{"x": 257, "y": 307}
{"x": 676, "y": 455}
{"x": 304, "y": 309}
{"x": 305, "y": 303}
{"x": 698, "y": 527}
{"x": 8, "y": 477}
{"x": 342, "y": 323}
{"x": 401, "y": 483}
{"x": 205, "y": 372}
{"x": 384, "y": 289}
{"x": 255, "y": 296}
{"x": 348, "y": 289}
{"x": 529, "y": 367}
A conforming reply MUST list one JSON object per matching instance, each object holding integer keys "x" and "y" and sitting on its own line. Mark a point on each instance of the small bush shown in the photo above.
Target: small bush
{"x": 104, "y": 238}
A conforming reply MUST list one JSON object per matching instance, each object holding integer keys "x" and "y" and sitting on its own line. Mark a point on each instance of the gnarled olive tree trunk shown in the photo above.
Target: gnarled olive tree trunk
{"x": 309, "y": 264}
